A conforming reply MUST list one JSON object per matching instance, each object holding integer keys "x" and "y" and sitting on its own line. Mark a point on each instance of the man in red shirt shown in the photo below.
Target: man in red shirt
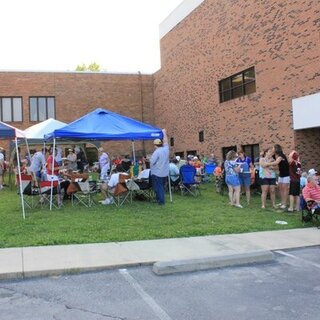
{"x": 311, "y": 192}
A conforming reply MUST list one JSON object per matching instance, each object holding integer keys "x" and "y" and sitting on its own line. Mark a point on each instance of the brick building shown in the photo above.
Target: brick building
{"x": 230, "y": 74}
{"x": 29, "y": 97}
{"x": 230, "y": 70}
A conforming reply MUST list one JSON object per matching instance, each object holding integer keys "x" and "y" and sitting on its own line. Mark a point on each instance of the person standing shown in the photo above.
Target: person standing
{"x": 72, "y": 160}
{"x": 284, "y": 175}
{"x": 1, "y": 167}
{"x": 267, "y": 177}
{"x": 104, "y": 163}
{"x": 81, "y": 159}
{"x": 159, "y": 165}
{"x": 232, "y": 170}
{"x": 295, "y": 174}
{"x": 245, "y": 174}
{"x": 38, "y": 162}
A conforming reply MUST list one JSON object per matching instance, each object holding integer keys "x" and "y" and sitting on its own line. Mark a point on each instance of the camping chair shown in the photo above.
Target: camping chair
{"x": 45, "y": 194}
{"x": 29, "y": 190}
{"x": 208, "y": 172}
{"x": 188, "y": 184}
{"x": 121, "y": 193}
{"x": 145, "y": 191}
{"x": 84, "y": 195}
{"x": 308, "y": 214}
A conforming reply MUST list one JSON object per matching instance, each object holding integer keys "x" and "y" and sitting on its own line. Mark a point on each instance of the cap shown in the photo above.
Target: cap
{"x": 178, "y": 158}
{"x": 157, "y": 142}
{"x": 312, "y": 172}
{"x": 70, "y": 150}
{"x": 195, "y": 158}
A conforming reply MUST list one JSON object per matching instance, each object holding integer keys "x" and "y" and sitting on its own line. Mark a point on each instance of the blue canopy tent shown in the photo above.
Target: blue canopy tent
{"x": 9, "y": 132}
{"x": 102, "y": 124}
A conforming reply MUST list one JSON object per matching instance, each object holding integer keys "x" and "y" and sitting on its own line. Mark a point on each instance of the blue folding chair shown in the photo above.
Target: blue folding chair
{"x": 188, "y": 184}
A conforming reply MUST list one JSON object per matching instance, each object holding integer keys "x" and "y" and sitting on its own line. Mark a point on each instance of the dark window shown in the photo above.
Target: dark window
{"x": 192, "y": 152}
{"x": 42, "y": 108}
{"x": 172, "y": 142}
{"x": 201, "y": 136}
{"x": 238, "y": 85}
{"x": 180, "y": 154}
{"x": 251, "y": 150}
{"x": 11, "y": 109}
{"x": 225, "y": 150}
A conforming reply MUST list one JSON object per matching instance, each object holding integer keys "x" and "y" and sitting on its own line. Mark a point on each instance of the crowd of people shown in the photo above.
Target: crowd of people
{"x": 273, "y": 171}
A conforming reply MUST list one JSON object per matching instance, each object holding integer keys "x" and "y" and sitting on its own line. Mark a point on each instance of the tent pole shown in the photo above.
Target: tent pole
{"x": 52, "y": 171}
{"x": 19, "y": 173}
{"x": 134, "y": 153}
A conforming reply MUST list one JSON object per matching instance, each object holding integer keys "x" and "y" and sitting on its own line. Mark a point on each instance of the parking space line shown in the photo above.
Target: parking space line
{"x": 160, "y": 313}
{"x": 317, "y": 265}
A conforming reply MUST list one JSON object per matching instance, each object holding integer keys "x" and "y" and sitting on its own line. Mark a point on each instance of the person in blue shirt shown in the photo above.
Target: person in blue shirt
{"x": 159, "y": 165}
{"x": 245, "y": 173}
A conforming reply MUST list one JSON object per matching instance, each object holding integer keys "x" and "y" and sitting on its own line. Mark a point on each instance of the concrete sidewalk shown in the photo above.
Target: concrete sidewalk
{"x": 54, "y": 260}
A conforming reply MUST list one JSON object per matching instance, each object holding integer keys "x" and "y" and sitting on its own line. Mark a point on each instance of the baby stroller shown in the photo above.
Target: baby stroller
{"x": 309, "y": 213}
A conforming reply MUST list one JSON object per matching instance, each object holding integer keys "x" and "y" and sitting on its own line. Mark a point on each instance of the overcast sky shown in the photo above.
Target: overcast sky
{"x": 120, "y": 35}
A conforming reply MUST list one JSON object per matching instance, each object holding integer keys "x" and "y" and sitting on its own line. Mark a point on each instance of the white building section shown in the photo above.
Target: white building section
{"x": 177, "y": 15}
{"x": 306, "y": 112}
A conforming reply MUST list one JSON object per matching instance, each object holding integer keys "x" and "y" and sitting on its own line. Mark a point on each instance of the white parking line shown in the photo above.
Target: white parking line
{"x": 317, "y": 265}
{"x": 160, "y": 313}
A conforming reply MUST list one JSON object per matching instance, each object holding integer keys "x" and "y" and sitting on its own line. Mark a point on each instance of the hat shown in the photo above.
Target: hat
{"x": 190, "y": 157}
{"x": 100, "y": 149}
{"x": 312, "y": 172}
{"x": 157, "y": 142}
{"x": 70, "y": 150}
{"x": 178, "y": 158}
{"x": 195, "y": 158}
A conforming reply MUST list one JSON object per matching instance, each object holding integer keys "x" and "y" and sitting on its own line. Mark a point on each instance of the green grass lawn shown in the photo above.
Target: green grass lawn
{"x": 187, "y": 216}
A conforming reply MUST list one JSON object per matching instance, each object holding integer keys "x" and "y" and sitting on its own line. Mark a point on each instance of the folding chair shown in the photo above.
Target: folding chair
{"x": 45, "y": 194}
{"x": 29, "y": 190}
{"x": 308, "y": 213}
{"x": 145, "y": 189}
{"x": 84, "y": 196}
{"x": 121, "y": 193}
{"x": 188, "y": 184}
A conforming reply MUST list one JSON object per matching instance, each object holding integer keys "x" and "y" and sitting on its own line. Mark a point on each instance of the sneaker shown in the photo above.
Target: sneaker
{"x": 238, "y": 205}
{"x": 283, "y": 206}
{"x": 106, "y": 201}
{"x": 279, "y": 205}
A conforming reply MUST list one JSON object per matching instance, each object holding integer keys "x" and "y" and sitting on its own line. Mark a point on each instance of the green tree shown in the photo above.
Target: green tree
{"x": 94, "y": 67}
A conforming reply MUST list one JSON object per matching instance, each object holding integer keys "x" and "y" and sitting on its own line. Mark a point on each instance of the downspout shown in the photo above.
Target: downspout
{"x": 141, "y": 107}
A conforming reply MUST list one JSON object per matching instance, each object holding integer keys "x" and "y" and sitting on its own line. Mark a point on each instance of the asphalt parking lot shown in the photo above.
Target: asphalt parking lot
{"x": 288, "y": 288}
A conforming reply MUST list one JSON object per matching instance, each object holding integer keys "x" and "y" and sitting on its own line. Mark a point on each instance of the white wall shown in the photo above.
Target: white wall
{"x": 306, "y": 112}
{"x": 177, "y": 15}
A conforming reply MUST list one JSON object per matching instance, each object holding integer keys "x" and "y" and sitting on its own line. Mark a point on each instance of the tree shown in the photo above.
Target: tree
{"x": 93, "y": 67}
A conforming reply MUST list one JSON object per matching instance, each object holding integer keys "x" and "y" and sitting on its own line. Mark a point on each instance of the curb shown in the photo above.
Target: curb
{"x": 206, "y": 263}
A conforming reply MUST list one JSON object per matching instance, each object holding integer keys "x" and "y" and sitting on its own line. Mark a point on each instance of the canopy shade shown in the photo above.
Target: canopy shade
{"x": 37, "y": 132}
{"x": 102, "y": 124}
{"x": 7, "y": 131}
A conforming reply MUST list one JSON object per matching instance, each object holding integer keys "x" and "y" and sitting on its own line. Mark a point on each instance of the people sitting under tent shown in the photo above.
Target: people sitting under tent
{"x": 108, "y": 187}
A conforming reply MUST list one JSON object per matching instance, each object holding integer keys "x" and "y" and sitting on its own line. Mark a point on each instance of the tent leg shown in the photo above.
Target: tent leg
{"x": 20, "y": 185}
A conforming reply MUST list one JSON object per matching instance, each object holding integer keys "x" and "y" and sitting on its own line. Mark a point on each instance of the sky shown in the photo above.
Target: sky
{"x": 58, "y": 35}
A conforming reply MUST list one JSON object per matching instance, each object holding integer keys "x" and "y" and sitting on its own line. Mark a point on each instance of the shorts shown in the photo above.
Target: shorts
{"x": 245, "y": 179}
{"x": 294, "y": 189}
{"x": 285, "y": 180}
{"x": 233, "y": 181}
{"x": 268, "y": 181}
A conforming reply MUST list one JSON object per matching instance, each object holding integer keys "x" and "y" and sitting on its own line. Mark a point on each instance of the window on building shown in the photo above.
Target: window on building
{"x": 251, "y": 150}
{"x": 11, "y": 109}
{"x": 201, "y": 136}
{"x": 192, "y": 152}
{"x": 42, "y": 108}
{"x": 180, "y": 154}
{"x": 225, "y": 150}
{"x": 238, "y": 85}
{"x": 172, "y": 142}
